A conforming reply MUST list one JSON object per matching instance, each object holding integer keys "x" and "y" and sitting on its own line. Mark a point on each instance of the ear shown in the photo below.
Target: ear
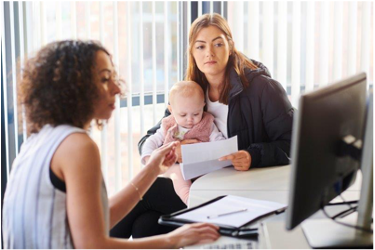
{"x": 170, "y": 108}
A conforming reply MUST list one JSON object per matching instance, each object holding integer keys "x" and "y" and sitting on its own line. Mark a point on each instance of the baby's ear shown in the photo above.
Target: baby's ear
{"x": 170, "y": 108}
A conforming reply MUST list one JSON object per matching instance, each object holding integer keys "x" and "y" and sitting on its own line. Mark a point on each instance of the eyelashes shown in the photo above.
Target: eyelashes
{"x": 216, "y": 45}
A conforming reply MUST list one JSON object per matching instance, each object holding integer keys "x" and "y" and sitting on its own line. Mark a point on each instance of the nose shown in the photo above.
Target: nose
{"x": 115, "y": 89}
{"x": 209, "y": 51}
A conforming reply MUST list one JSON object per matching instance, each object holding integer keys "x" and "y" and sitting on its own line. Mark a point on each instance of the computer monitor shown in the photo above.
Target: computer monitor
{"x": 323, "y": 166}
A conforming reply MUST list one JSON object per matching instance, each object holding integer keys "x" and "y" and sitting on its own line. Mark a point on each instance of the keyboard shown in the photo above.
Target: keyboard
{"x": 239, "y": 245}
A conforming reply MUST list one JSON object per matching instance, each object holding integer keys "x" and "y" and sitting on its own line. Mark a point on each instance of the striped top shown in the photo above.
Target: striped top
{"x": 34, "y": 211}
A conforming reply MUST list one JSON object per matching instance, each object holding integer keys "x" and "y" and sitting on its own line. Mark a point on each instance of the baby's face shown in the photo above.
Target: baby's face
{"x": 187, "y": 111}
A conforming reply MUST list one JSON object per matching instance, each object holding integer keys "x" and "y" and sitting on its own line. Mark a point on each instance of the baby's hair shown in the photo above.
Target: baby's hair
{"x": 185, "y": 89}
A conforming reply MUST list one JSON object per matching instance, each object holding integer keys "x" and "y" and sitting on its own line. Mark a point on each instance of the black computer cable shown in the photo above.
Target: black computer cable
{"x": 345, "y": 212}
{"x": 343, "y": 199}
{"x": 345, "y": 224}
{"x": 342, "y": 203}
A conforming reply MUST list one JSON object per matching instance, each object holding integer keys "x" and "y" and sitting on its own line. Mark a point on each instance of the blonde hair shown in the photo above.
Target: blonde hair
{"x": 185, "y": 89}
{"x": 236, "y": 60}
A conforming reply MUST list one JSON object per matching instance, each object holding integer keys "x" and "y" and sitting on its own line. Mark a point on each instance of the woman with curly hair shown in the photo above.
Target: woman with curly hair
{"x": 56, "y": 196}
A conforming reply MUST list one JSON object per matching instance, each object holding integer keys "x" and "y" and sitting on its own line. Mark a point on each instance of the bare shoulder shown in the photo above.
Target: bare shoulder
{"x": 77, "y": 143}
{"x": 76, "y": 150}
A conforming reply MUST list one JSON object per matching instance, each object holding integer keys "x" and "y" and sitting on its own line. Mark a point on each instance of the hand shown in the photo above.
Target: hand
{"x": 241, "y": 160}
{"x": 191, "y": 234}
{"x": 178, "y": 148}
{"x": 164, "y": 157}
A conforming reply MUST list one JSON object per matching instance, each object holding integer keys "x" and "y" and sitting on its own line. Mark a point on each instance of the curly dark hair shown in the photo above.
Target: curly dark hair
{"x": 57, "y": 85}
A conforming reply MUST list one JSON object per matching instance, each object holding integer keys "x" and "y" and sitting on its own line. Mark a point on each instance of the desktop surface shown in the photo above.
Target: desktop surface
{"x": 271, "y": 184}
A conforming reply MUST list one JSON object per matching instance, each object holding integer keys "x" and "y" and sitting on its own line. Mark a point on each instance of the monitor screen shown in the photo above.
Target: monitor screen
{"x": 320, "y": 171}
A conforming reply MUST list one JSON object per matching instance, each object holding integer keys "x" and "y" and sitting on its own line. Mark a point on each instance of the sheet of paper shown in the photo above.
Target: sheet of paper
{"x": 235, "y": 205}
{"x": 202, "y": 158}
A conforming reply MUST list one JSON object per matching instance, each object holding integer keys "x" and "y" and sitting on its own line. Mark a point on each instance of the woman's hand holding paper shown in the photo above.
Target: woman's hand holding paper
{"x": 241, "y": 160}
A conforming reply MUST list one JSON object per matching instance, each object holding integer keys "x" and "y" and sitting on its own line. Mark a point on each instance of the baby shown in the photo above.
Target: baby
{"x": 187, "y": 121}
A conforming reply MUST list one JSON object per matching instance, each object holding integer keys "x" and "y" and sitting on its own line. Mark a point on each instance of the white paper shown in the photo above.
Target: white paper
{"x": 230, "y": 203}
{"x": 202, "y": 158}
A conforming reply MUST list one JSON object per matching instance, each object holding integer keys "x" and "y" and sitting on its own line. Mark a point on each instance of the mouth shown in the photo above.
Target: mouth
{"x": 210, "y": 62}
{"x": 112, "y": 106}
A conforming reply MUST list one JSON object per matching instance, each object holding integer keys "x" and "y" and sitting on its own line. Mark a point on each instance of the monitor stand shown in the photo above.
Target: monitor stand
{"x": 325, "y": 233}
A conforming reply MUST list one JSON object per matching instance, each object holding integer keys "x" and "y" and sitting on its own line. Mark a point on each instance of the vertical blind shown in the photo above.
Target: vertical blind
{"x": 305, "y": 45}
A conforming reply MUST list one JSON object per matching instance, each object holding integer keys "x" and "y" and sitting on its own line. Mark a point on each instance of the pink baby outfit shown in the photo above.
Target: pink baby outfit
{"x": 200, "y": 131}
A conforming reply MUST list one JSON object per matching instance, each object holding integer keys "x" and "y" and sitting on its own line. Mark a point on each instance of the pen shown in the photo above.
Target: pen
{"x": 224, "y": 214}
{"x": 246, "y": 233}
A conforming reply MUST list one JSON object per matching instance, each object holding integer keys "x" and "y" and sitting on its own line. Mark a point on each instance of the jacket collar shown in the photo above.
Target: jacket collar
{"x": 236, "y": 84}
{"x": 235, "y": 80}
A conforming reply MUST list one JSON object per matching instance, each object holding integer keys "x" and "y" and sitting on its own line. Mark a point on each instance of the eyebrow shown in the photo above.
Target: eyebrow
{"x": 200, "y": 41}
{"x": 105, "y": 70}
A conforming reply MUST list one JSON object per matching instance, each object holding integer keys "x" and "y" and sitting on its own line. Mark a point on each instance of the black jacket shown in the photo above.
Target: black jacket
{"x": 260, "y": 115}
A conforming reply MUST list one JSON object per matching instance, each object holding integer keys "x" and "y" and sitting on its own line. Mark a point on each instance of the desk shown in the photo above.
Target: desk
{"x": 271, "y": 183}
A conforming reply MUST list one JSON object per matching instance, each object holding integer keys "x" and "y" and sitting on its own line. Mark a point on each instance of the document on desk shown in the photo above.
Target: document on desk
{"x": 202, "y": 158}
{"x": 232, "y": 211}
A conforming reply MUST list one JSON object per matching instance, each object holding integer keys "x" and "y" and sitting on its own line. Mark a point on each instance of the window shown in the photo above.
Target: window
{"x": 304, "y": 44}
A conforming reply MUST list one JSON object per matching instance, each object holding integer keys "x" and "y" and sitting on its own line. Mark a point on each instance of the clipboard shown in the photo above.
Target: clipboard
{"x": 238, "y": 232}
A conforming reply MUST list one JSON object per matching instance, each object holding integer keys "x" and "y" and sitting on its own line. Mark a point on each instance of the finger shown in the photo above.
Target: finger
{"x": 167, "y": 161}
{"x": 245, "y": 154}
{"x": 240, "y": 164}
{"x": 239, "y": 167}
{"x": 207, "y": 233}
{"x": 209, "y": 230}
{"x": 189, "y": 141}
{"x": 204, "y": 224}
{"x": 167, "y": 147}
{"x": 206, "y": 241}
{"x": 238, "y": 161}
{"x": 227, "y": 157}
{"x": 240, "y": 156}
{"x": 241, "y": 160}
{"x": 205, "y": 237}
{"x": 170, "y": 161}
{"x": 174, "y": 157}
{"x": 170, "y": 153}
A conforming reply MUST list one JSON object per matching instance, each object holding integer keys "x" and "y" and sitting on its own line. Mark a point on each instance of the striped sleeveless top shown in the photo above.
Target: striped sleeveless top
{"x": 34, "y": 211}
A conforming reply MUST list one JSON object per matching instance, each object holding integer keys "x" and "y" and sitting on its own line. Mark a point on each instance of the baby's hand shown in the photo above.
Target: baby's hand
{"x": 178, "y": 147}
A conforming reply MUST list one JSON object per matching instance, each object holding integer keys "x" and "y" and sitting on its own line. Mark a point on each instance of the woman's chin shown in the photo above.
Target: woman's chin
{"x": 104, "y": 117}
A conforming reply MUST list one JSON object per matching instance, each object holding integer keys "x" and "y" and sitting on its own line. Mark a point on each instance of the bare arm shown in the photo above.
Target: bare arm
{"x": 125, "y": 200}
{"x": 159, "y": 161}
{"x": 78, "y": 160}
